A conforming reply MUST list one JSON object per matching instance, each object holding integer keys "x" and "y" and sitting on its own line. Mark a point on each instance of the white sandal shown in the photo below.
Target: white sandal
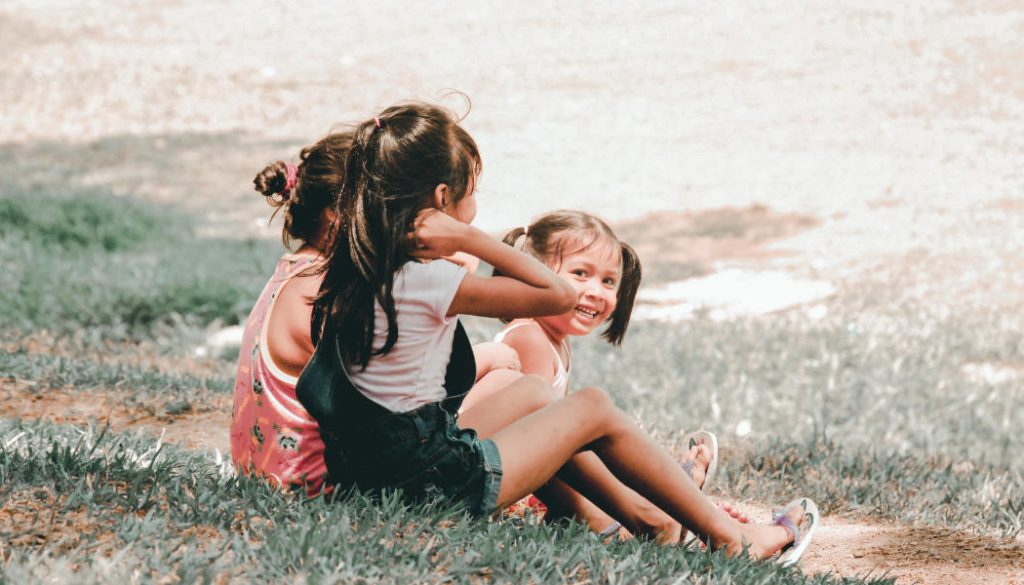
{"x": 792, "y": 552}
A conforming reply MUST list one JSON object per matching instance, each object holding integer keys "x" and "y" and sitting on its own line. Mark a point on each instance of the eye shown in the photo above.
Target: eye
{"x": 579, "y": 272}
{"x": 611, "y": 282}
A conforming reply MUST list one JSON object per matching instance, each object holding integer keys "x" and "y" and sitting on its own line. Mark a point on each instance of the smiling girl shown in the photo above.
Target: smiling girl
{"x": 605, "y": 274}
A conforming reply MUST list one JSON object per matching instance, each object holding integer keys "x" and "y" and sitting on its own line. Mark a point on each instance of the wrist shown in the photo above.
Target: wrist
{"x": 469, "y": 240}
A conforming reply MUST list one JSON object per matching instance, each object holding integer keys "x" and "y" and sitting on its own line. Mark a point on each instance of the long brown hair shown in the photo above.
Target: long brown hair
{"x": 320, "y": 175}
{"x": 397, "y": 160}
{"x": 557, "y": 234}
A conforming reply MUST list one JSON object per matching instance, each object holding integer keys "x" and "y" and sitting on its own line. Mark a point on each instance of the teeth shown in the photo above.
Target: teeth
{"x": 586, "y": 312}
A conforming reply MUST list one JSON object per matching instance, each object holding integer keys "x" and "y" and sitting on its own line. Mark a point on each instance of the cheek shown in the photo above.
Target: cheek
{"x": 611, "y": 301}
{"x": 469, "y": 210}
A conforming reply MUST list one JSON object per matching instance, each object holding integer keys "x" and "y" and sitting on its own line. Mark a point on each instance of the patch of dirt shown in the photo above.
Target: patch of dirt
{"x": 204, "y": 425}
{"x": 934, "y": 556}
{"x": 677, "y": 245}
{"x": 36, "y": 518}
{"x": 1008, "y": 204}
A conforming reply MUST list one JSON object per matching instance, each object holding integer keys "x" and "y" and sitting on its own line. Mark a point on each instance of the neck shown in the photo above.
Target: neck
{"x": 556, "y": 338}
{"x": 309, "y": 250}
{"x": 318, "y": 242}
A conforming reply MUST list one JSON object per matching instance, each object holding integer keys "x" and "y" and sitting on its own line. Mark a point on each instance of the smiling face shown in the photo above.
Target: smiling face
{"x": 595, "y": 273}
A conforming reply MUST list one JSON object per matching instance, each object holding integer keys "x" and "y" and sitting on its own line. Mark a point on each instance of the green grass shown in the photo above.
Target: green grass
{"x": 45, "y": 371}
{"x": 886, "y": 376}
{"x": 142, "y": 505}
{"x": 118, "y": 268}
{"x": 868, "y": 411}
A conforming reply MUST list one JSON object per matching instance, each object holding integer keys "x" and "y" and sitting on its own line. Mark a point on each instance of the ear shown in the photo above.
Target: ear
{"x": 441, "y": 198}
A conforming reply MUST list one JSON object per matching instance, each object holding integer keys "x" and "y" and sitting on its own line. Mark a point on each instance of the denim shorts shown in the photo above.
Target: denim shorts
{"x": 426, "y": 455}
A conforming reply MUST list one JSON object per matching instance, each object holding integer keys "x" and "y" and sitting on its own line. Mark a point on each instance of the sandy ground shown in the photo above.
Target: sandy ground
{"x": 881, "y": 131}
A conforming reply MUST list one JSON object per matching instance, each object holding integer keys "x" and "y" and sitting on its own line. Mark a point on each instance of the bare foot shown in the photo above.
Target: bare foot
{"x": 767, "y": 539}
{"x": 700, "y": 457}
{"x": 734, "y": 512}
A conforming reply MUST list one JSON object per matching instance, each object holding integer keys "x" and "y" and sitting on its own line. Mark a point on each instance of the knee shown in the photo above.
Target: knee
{"x": 596, "y": 399}
{"x": 537, "y": 393}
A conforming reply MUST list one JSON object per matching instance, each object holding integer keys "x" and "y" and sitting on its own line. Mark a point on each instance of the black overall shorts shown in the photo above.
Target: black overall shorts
{"x": 422, "y": 452}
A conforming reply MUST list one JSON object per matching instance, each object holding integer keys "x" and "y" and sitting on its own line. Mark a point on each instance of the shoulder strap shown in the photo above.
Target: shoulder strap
{"x": 461, "y": 374}
{"x": 500, "y": 336}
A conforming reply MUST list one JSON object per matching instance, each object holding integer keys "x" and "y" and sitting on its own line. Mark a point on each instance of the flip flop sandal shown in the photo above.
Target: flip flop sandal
{"x": 693, "y": 542}
{"x": 707, "y": 438}
{"x": 792, "y": 552}
{"x": 612, "y": 530}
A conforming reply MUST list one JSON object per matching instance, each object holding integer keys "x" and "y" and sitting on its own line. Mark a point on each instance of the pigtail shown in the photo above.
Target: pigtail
{"x": 625, "y": 297}
{"x": 512, "y": 238}
{"x": 516, "y": 238}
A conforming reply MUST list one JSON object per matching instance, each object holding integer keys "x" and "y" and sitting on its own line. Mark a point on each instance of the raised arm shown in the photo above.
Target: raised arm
{"x": 526, "y": 289}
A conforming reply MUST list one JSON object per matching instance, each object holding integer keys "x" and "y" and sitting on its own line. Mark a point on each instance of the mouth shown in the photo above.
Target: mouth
{"x": 587, "y": 312}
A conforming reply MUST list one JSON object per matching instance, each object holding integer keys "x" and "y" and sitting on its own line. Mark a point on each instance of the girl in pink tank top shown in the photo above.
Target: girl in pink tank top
{"x": 272, "y": 434}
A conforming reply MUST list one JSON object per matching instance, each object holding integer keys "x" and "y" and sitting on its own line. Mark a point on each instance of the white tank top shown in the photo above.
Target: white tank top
{"x": 561, "y": 380}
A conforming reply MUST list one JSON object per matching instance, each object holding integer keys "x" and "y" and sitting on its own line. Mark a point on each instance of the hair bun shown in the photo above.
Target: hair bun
{"x": 272, "y": 181}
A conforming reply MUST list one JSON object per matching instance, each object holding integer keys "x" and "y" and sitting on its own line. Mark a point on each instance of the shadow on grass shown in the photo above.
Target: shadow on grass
{"x": 126, "y": 163}
{"x": 88, "y": 259}
{"x": 209, "y": 174}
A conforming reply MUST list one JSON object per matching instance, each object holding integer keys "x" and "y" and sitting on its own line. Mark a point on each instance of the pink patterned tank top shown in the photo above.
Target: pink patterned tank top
{"x": 272, "y": 435}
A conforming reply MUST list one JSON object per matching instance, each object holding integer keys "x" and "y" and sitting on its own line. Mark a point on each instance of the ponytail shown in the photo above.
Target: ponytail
{"x": 396, "y": 161}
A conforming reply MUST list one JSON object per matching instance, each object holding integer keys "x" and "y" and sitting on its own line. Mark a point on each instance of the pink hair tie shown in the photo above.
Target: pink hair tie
{"x": 376, "y": 121}
{"x": 291, "y": 176}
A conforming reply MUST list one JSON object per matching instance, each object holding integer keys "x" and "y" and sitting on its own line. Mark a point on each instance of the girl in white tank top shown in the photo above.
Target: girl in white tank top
{"x": 560, "y": 379}
{"x": 604, "y": 272}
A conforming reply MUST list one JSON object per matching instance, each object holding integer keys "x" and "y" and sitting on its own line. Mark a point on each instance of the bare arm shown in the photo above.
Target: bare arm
{"x": 534, "y": 349}
{"x": 491, "y": 355}
{"x": 528, "y": 289}
{"x": 288, "y": 338}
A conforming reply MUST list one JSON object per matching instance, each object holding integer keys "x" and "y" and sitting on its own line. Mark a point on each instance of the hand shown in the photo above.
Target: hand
{"x": 436, "y": 235}
{"x": 468, "y": 261}
{"x": 497, "y": 356}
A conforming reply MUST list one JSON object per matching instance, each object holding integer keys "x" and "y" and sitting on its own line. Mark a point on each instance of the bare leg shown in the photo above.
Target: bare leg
{"x": 508, "y": 396}
{"x": 504, "y": 396}
{"x": 534, "y": 448}
{"x": 490, "y": 384}
{"x": 639, "y": 516}
{"x": 521, "y": 395}
{"x": 564, "y": 502}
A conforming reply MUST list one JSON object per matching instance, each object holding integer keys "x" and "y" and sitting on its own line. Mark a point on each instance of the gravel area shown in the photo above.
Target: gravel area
{"x": 901, "y": 126}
